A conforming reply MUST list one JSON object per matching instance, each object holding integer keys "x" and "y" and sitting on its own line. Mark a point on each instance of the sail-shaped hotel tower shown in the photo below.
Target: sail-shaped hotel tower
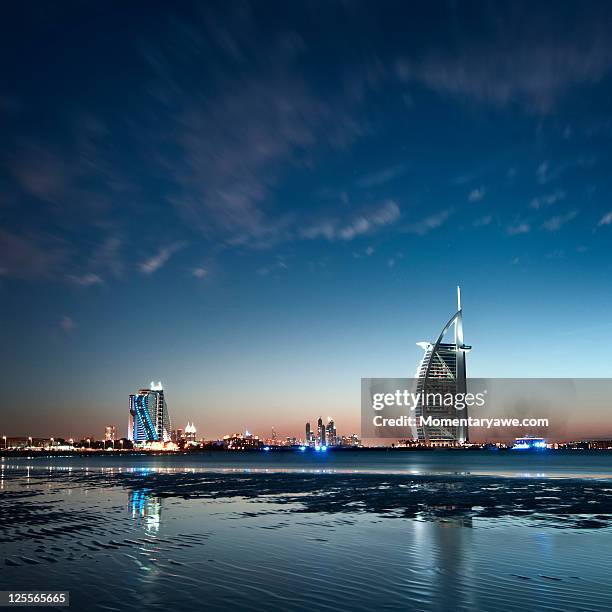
{"x": 442, "y": 371}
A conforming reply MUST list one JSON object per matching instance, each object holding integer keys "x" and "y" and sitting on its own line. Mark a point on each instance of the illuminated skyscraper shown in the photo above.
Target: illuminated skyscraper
{"x": 149, "y": 420}
{"x": 442, "y": 372}
{"x": 320, "y": 432}
{"x": 190, "y": 432}
{"x": 110, "y": 433}
{"x": 308, "y": 433}
{"x": 330, "y": 432}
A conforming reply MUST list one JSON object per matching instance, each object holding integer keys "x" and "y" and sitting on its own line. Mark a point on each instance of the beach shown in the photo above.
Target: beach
{"x": 256, "y": 531}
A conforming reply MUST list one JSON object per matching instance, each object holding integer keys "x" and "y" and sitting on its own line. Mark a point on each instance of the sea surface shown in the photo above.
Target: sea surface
{"x": 438, "y": 530}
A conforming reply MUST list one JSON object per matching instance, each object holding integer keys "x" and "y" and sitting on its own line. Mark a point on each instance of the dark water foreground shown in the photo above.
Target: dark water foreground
{"x": 161, "y": 535}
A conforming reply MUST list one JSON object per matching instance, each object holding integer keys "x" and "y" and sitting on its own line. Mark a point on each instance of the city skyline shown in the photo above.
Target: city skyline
{"x": 260, "y": 212}
{"x": 159, "y": 412}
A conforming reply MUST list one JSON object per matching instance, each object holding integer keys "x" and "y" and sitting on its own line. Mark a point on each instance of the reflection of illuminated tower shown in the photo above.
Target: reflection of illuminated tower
{"x": 442, "y": 372}
{"x": 145, "y": 509}
{"x": 320, "y": 432}
{"x": 149, "y": 420}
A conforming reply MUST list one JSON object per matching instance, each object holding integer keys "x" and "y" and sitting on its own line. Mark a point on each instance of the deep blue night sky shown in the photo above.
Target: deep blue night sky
{"x": 260, "y": 203}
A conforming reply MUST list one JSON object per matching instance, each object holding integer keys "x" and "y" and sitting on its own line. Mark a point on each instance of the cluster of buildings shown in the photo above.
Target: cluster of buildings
{"x": 586, "y": 445}
{"x": 149, "y": 426}
{"x": 325, "y": 435}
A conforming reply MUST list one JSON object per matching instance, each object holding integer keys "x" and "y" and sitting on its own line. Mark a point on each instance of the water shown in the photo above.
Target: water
{"x": 423, "y": 531}
{"x": 574, "y": 463}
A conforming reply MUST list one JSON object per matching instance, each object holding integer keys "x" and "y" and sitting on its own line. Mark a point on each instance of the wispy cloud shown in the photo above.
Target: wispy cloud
{"x": 507, "y": 61}
{"x": 606, "y": 219}
{"x": 392, "y": 261}
{"x": 386, "y": 214}
{"x": 483, "y": 221}
{"x": 200, "y": 272}
{"x": 477, "y": 194}
{"x": 547, "y": 199}
{"x": 107, "y": 257}
{"x": 30, "y": 255}
{"x": 520, "y": 228}
{"x": 234, "y": 146}
{"x": 154, "y": 263}
{"x": 42, "y": 173}
{"x": 368, "y": 221}
{"x": 368, "y": 252}
{"x": 382, "y": 176}
{"x": 547, "y": 172}
{"x": 542, "y": 172}
{"x": 86, "y": 280}
{"x": 556, "y": 223}
{"x": 269, "y": 269}
{"x": 72, "y": 186}
{"x": 426, "y": 225}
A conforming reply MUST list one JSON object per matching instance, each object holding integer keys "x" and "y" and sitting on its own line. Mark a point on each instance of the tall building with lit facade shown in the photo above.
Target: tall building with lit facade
{"x": 190, "y": 432}
{"x": 330, "y": 433}
{"x": 110, "y": 433}
{"x": 320, "y": 432}
{"x": 308, "y": 433}
{"x": 442, "y": 372}
{"x": 149, "y": 420}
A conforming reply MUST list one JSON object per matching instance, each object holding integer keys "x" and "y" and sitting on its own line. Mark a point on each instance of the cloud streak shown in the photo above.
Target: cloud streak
{"x": 477, "y": 194}
{"x": 432, "y": 222}
{"x": 86, "y": 280}
{"x": 605, "y": 220}
{"x": 556, "y": 223}
{"x": 154, "y": 263}
{"x": 507, "y": 60}
{"x": 520, "y": 228}
{"x": 367, "y": 222}
{"x": 547, "y": 199}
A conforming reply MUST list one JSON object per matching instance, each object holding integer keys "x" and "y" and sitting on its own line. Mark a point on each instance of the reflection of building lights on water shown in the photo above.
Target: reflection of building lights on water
{"x": 145, "y": 509}
{"x": 529, "y": 443}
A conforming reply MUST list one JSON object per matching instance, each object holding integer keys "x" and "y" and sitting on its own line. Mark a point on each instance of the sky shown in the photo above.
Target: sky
{"x": 260, "y": 203}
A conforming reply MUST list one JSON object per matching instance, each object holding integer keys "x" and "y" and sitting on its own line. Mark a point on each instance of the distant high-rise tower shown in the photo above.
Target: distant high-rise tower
{"x": 320, "y": 432}
{"x": 149, "y": 420}
{"x": 190, "y": 432}
{"x": 308, "y": 433}
{"x": 330, "y": 432}
{"x": 442, "y": 371}
{"x": 110, "y": 433}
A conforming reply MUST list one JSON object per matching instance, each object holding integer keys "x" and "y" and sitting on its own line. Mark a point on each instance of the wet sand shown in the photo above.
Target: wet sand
{"x": 298, "y": 539}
